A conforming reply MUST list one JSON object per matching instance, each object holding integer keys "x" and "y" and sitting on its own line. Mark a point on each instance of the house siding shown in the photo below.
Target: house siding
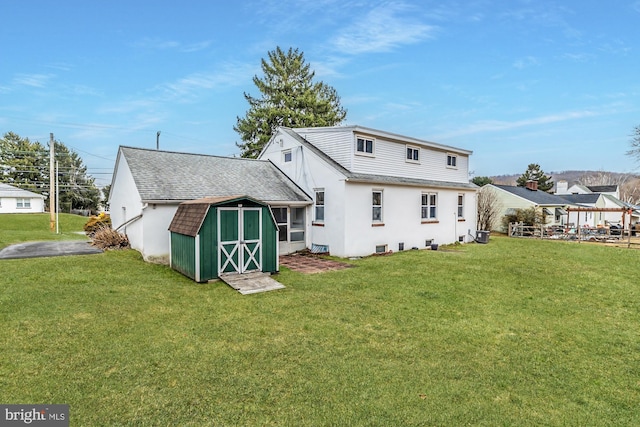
{"x": 402, "y": 220}
{"x": 390, "y": 159}
{"x": 347, "y": 229}
{"x": 335, "y": 143}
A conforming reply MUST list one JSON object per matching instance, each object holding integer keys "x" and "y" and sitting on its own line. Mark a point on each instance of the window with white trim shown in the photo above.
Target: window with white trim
{"x": 364, "y": 145}
{"x": 460, "y": 205}
{"x": 452, "y": 161}
{"x": 297, "y": 225}
{"x": 429, "y": 206}
{"x": 320, "y": 205}
{"x": 413, "y": 154}
{"x": 23, "y": 203}
{"x": 286, "y": 156}
{"x": 376, "y": 204}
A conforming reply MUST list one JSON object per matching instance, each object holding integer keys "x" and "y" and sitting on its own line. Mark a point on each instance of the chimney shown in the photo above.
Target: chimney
{"x": 532, "y": 185}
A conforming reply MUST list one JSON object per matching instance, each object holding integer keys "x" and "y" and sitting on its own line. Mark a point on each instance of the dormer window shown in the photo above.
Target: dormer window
{"x": 452, "y": 161}
{"x": 413, "y": 154}
{"x": 364, "y": 146}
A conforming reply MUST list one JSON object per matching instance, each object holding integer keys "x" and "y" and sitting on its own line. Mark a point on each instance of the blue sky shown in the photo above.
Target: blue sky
{"x": 517, "y": 82}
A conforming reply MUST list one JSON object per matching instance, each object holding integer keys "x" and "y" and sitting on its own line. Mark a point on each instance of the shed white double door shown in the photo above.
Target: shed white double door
{"x": 239, "y": 239}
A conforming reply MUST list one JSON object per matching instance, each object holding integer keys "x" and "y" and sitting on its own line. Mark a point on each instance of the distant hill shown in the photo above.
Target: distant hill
{"x": 574, "y": 177}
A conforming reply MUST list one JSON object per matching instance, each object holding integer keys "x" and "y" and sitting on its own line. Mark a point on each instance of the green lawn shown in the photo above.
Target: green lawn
{"x": 512, "y": 333}
{"x": 17, "y": 228}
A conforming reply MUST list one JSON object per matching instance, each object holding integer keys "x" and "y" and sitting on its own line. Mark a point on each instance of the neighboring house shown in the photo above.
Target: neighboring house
{"x": 509, "y": 198}
{"x": 605, "y": 197}
{"x": 148, "y": 185}
{"x": 17, "y": 200}
{"x": 562, "y": 188}
{"x": 376, "y": 191}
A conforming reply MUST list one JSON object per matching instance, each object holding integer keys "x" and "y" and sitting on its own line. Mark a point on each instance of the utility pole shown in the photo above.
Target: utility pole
{"x": 52, "y": 184}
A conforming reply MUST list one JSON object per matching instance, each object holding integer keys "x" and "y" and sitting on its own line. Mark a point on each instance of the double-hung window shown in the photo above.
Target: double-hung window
{"x": 376, "y": 204}
{"x": 364, "y": 145}
{"x": 413, "y": 154}
{"x": 460, "y": 205}
{"x": 23, "y": 203}
{"x": 429, "y": 206}
{"x": 319, "y": 206}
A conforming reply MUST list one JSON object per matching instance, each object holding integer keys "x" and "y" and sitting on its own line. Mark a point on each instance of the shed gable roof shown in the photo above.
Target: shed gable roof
{"x": 191, "y": 214}
{"x": 172, "y": 176}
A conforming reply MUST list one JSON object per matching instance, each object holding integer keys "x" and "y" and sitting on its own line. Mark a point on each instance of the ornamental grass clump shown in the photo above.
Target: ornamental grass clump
{"x": 105, "y": 237}
{"x": 95, "y": 222}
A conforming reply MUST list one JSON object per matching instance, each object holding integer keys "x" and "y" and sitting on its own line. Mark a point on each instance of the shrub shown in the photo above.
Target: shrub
{"x": 96, "y": 222}
{"x": 105, "y": 237}
{"x": 528, "y": 217}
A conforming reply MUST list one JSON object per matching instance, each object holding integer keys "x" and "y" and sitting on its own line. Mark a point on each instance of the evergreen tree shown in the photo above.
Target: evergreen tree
{"x": 481, "y": 181}
{"x": 25, "y": 164}
{"x": 535, "y": 173}
{"x": 77, "y": 189}
{"x": 289, "y": 98}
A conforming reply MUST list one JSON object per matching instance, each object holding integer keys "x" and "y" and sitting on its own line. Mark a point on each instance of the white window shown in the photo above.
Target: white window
{"x": 377, "y": 206}
{"x": 364, "y": 145}
{"x": 282, "y": 219}
{"x": 460, "y": 205}
{"x": 320, "y": 205}
{"x": 452, "y": 160}
{"x": 413, "y": 154}
{"x": 286, "y": 156}
{"x": 429, "y": 206}
{"x": 297, "y": 225}
{"x": 23, "y": 203}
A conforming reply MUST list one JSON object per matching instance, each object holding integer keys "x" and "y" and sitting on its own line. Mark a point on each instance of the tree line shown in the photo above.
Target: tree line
{"x": 25, "y": 164}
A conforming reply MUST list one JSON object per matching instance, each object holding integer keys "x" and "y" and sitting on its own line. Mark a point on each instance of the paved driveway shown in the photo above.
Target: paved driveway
{"x": 46, "y": 249}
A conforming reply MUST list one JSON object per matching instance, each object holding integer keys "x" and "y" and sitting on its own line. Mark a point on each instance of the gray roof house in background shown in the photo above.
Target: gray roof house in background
{"x": 17, "y": 200}
{"x": 148, "y": 185}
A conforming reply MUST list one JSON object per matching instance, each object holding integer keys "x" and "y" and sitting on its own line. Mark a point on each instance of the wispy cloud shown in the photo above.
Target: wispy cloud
{"x": 382, "y": 29}
{"x": 230, "y": 74}
{"x": 160, "y": 44}
{"x": 32, "y": 80}
{"x": 485, "y": 126}
{"x": 526, "y": 62}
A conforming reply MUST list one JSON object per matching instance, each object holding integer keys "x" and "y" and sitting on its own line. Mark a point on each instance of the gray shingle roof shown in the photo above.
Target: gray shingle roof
{"x": 581, "y": 198}
{"x": 7, "y": 190}
{"x": 538, "y": 197}
{"x": 171, "y": 176}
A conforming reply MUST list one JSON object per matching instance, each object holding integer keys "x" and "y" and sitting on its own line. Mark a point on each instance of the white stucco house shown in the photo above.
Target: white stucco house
{"x": 148, "y": 185}
{"x": 17, "y": 200}
{"x": 375, "y": 191}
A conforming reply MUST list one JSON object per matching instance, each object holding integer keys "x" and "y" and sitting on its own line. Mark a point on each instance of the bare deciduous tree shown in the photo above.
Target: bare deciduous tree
{"x": 488, "y": 208}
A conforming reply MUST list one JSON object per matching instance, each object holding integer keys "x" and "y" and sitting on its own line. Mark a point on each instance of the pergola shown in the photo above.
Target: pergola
{"x": 623, "y": 211}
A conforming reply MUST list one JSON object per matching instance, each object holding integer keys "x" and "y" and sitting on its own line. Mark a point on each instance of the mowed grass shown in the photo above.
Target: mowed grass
{"x": 512, "y": 333}
{"x": 18, "y": 228}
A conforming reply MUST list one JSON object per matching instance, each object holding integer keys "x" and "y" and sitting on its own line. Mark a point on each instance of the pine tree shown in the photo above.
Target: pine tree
{"x": 535, "y": 173}
{"x": 289, "y": 98}
{"x": 25, "y": 164}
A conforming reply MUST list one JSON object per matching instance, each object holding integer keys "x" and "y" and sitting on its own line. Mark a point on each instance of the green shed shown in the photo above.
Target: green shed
{"x": 218, "y": 235}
